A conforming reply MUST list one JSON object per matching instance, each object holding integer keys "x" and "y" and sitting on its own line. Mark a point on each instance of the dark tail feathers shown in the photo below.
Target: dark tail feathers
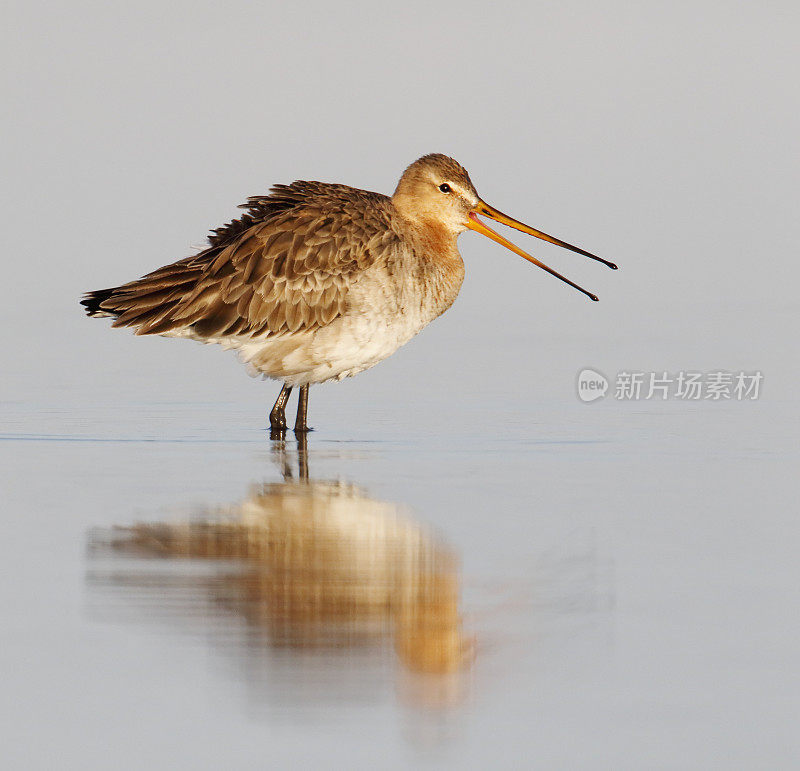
{"x": 93, "y": 300}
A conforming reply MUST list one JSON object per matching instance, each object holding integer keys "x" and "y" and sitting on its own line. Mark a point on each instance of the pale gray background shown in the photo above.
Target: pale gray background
{"x": 662, "y": 136}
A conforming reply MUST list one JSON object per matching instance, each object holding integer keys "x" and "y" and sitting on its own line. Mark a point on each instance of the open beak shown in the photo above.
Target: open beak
{"x": 473, "y": 223}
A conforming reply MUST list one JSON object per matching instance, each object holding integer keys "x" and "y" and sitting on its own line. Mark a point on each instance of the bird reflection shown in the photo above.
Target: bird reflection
{"x": 308, "y": 565}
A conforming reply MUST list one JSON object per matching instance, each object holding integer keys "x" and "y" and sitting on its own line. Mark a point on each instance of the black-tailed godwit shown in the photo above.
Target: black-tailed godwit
{"x": 320, "y": 281}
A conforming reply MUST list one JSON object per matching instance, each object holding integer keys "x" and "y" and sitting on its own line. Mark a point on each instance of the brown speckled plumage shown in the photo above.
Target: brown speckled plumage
{"x": 284, "y": 266}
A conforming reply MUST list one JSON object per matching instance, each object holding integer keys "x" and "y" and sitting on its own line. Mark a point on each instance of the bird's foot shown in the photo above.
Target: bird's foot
{"x": 277, "y": 421}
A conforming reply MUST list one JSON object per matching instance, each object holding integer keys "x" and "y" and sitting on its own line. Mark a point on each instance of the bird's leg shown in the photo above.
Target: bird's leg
{"x": 301, "y": 425}
{"x": 277, "y": 418}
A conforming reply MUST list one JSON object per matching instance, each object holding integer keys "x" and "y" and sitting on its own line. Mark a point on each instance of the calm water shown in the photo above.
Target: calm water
{"x": 616, "y": 581}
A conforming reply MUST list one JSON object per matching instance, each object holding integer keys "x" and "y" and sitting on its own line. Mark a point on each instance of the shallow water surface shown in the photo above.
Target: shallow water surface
{"x": 590, "y": 589}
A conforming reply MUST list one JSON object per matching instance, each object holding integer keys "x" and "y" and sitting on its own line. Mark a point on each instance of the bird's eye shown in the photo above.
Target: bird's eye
{"x": 445, "y": 188}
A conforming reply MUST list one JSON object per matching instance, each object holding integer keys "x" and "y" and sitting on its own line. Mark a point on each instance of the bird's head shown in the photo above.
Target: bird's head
{"x": 436, "y": 190}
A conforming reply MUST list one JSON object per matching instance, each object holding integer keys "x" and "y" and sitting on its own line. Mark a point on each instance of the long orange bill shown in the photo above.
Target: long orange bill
{"x": 504, "y": 219}
{"x": 473, "y": 223}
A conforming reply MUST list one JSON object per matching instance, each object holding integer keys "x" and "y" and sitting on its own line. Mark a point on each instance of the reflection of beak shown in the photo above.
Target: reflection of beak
{"x": 473, "y": 223}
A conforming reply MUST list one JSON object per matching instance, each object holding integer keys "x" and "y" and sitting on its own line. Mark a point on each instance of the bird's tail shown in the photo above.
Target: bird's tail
{"x": 148, "y": 304}
{"x": 93, "y": 300}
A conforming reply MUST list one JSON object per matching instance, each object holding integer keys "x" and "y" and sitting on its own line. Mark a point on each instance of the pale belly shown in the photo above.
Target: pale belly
{"x": 342, "y": 349}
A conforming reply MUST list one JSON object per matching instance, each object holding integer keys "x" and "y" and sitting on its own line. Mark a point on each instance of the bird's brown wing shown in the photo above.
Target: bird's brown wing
{"x": 283, "y": 267}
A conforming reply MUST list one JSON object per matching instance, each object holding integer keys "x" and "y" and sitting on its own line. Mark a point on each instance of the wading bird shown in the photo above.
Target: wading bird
{"x": 321, "y": 281}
